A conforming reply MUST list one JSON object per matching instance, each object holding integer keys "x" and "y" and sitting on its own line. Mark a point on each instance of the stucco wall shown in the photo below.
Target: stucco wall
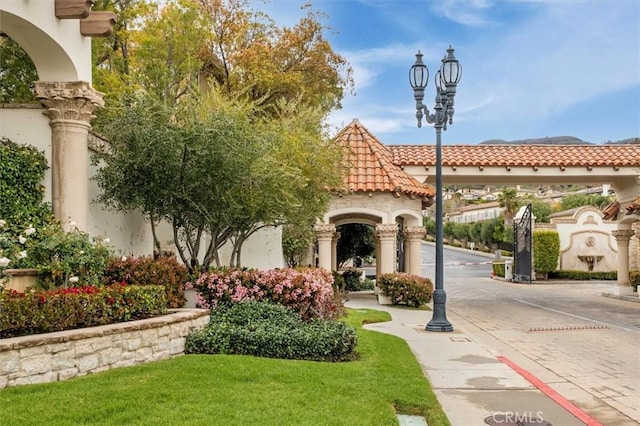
{"x": 584, "y": 232}
{"x": 128, "y": 233}
{"x": 384, "y": 205}
{"x": 62, "y": 355}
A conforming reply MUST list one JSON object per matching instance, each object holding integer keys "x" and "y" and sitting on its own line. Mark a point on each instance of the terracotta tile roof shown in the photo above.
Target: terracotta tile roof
{"x": 519, "y": 155}
{"x": 371, "y": 166}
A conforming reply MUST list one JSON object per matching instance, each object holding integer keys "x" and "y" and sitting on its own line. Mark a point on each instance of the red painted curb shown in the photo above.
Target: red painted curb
{"x": 546, "y": 389}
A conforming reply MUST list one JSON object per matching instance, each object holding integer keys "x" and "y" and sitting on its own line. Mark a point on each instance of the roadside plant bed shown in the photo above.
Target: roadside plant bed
{"x": 582, "y": 275}
{"x": 498, "y": 268}
{"x": 308, "y": 291}
{"x": 38, "y": 312}
{"x": 268, "y": 330}
{"x": 406, "y": 289}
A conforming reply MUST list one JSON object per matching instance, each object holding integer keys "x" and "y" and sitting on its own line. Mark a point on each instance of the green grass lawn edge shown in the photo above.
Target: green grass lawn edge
{"x": 241, "y": 390}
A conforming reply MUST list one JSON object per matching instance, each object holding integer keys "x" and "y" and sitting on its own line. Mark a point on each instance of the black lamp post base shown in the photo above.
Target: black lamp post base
{"x": 439, "y": 321}
{"x": 440, "y": 326}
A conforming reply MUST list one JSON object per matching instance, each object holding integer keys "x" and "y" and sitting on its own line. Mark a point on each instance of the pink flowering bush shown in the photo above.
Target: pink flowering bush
{"x": 308, "y": 291}
{"x": 406, "y": 289}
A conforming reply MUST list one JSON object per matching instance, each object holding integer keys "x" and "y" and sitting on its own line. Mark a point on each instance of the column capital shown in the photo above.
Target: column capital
{"x": 415, "y": 232}
{"x": 324, "y": 230}
{"x": 386, "y": 230}
{"x": 68, "y": 100}
{"x": 622, "y": 235}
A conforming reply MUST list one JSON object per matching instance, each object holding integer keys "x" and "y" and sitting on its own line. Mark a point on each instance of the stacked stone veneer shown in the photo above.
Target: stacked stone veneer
{"x": 62, "y": 355}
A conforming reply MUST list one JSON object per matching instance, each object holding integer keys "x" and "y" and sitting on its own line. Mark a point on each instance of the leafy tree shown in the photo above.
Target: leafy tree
{"x": 177, "y": 47}
{"x": 508, "y": 200}
{"x": 296, "y": 240}
{"x": 356, "y": 240}
{"x": 17, "y": 73}
{"x": 246, "y": 52}
{"x": 572, "y": 201}
{"x": 540, "y": 210}
{"x": 213, "y": 173}
{"x": 461, "y": 231}
{"x": 430, "y": 225}
{"x": 475, "y": 232}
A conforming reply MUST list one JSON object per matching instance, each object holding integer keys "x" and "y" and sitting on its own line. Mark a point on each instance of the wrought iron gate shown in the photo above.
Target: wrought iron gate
{"x": 522, "y": 238}
{"x": 400, "y": 246}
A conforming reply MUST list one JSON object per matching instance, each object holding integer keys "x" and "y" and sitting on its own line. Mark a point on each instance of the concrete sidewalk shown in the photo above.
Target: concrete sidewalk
{"x": 471, "y": 381}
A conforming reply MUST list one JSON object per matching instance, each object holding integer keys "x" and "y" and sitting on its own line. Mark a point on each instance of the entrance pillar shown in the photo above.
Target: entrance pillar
{"x": 413, "y": 243}
{"x": 324, "y": 234}
{"x": 387, "y": 235}
{"x": 622, "y": 237}
{"x": 334, "y": 251}
{"x": 69, "y": 107}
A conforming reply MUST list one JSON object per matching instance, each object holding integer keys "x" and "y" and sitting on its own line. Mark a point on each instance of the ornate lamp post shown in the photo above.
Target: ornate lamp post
{"x": 446, "y": 80}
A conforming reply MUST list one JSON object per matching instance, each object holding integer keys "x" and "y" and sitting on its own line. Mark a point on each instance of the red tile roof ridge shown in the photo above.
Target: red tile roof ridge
{"x": 372, "y": 167}
{"x": 519, "y": 155}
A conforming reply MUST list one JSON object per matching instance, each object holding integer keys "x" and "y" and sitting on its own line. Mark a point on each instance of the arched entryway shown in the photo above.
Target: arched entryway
{"x": 379, "y": 194}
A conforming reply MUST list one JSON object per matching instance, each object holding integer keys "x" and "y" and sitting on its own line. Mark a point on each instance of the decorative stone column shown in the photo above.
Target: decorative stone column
{"x": 634, "y": 248}
{"x": 387, "y": 235}
{"x": 622, "y": 237}
{"x": 378, "y": 256}
{"x": 70, "y": 107}
{"x": 413, "y": 243}
{"x": 334, "y": 251}
{"x": 324, "y": 234}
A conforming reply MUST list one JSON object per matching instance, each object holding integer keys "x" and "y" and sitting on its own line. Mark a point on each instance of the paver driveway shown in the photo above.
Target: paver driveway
{"x": 584, "y": 345}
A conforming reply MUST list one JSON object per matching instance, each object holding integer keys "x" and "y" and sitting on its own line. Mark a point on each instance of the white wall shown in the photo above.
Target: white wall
{"x": 128, "y": 233}
{"x": 577, "y": 231}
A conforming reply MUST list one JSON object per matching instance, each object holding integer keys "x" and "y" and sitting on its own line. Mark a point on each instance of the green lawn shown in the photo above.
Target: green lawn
{"x": 240, "y": 390}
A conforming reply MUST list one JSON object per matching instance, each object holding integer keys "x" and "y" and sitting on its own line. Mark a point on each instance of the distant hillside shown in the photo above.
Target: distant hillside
{"x": 630, "y": 141}
{"x": 557, "y": 140}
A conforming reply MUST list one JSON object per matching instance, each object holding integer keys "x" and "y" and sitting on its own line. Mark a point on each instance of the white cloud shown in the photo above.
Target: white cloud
{"x": 571, "y": 53}
{"x": 466, "y": 12}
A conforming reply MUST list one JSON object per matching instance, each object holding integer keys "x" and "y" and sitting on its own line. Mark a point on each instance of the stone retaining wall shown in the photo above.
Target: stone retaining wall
{"x": 65, "y": 354}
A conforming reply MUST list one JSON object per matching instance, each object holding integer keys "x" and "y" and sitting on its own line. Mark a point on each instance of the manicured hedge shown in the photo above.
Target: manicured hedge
{"x": 145, "y": 270}
{"x": 77, "y": 307}
{"x": 406, "y": 289}
{"x": 546, "y": 250}
{"x": 264, "y": 329}
{"x": 582, "y": 275}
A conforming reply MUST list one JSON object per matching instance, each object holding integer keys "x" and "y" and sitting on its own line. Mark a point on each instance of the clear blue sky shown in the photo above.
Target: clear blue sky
{"x": 531, "y": 68}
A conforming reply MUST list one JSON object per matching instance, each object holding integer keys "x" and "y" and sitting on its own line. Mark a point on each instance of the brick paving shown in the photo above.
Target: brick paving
{"x": 590, "y": 351}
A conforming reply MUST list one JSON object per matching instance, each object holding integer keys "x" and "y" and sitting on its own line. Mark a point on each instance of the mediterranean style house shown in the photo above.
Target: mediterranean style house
{"x": 386, "y": 187}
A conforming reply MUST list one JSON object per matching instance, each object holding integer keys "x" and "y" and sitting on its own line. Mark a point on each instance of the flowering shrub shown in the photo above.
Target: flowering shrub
{"x": 268, "y": 330}
{"x": 145, "y": 270}
{"x": 64, "y": 258}
{"x": 308, "y": 291}
{"x": 22, "y": 209}
{"x": 402, "y": 288}
{"x": 76, "y": 307}
{"x": 61, "y": 257}
{"x": 13, "y": 253}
